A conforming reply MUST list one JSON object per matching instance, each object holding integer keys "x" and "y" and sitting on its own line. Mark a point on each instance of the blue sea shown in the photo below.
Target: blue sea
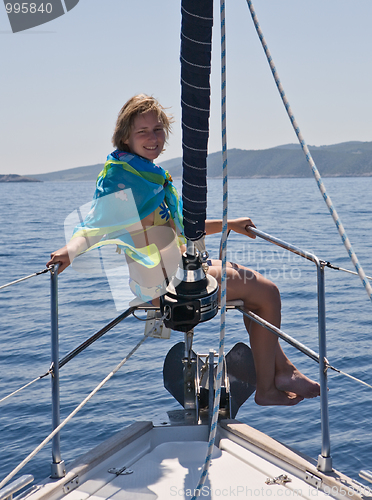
{"x": 32, "y": 226}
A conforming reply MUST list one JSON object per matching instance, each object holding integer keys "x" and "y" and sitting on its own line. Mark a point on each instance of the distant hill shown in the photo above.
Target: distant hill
{"x": 348, "y": 159}
{"x": 88, "y": 173}
{"x": 339, "y": 160}
{"x": 16, "y": 178}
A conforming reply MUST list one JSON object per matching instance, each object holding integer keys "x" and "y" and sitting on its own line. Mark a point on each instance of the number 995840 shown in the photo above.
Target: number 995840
{"x": 28, "y": 8}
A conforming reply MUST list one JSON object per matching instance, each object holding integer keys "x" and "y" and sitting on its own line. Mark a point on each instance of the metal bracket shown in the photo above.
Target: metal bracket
{"x": 58, "y": 470}
{"x": 282, "y": 479}
{"x": 155, "y": 320}
{"x": 71, "y": 485}
{"x": 313, "y": 480}
{"x": 189, "y": 373}
{"x": 120, "y": 472}
{"x": 324, "y": 464}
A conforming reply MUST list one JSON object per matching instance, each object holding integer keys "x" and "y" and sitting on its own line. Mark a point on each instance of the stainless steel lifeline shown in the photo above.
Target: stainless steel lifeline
{"x": 324, "y": 459}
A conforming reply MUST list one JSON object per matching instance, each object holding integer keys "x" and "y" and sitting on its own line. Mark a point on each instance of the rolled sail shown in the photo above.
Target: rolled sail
{"x": 196, "y": 48}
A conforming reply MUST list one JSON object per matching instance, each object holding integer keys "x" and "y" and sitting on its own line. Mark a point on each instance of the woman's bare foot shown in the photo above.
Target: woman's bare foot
{"x": 295, "y": 381}
{"x": 275, "y": 397}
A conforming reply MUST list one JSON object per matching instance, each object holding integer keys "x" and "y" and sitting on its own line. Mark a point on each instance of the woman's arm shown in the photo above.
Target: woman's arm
{"x": 237, "y": 225}
{"x": 66, "y": 254}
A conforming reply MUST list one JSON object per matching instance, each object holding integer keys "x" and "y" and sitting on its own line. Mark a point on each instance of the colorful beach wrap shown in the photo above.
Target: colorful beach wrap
{"x": 128, "y": 189}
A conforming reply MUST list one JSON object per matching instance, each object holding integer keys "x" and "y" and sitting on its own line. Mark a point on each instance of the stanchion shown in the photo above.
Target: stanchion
{"x": 58, "y": 465}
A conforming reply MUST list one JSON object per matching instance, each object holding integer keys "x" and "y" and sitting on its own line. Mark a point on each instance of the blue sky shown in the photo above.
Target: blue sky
{"x": 64, "y": 82}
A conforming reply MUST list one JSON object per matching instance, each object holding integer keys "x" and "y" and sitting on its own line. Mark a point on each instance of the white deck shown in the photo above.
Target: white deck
{"x": 172, "y": 470}
{"x": 166, "y": 463}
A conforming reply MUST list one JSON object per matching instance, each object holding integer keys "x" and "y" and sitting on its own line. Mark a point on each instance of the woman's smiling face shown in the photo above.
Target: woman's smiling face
{"x": 147, "y": 137}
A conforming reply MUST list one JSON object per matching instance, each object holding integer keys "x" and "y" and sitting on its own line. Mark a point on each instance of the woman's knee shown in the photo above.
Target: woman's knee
{"x": 264, "y": 292}
{"x": 273, "y": 292}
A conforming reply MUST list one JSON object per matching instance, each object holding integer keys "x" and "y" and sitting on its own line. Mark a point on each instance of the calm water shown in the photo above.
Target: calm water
{"x": 32, "y": 217}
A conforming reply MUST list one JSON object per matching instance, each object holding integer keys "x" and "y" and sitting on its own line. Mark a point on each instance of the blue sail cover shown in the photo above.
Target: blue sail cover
{"x": 196, "y": 47}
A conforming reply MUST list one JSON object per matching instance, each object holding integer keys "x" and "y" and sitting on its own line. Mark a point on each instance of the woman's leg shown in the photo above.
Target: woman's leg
{"x": 278, "y": 380}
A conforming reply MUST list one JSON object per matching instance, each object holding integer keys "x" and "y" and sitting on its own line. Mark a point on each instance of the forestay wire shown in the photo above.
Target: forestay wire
{"x": 216, "y": 404}
{"x": 309, "y": 158}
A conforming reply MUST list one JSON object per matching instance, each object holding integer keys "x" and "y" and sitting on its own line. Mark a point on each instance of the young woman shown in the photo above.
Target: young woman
{"x": 148, "y": 228}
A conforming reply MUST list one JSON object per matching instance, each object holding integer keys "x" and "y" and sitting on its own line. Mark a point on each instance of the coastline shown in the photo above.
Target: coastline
{"x": 17, "y": 178}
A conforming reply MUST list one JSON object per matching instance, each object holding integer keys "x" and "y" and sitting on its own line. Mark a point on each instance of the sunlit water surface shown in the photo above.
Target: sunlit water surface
{"x": 32, "y": 219}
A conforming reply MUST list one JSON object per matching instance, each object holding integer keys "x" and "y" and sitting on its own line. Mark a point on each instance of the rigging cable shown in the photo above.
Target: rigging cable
{"x": 72, "y": 354}
{"x": 25, "y": 278}
{"x": 309, "y": 158}
{"x": 337, "y": 268}
{"x": 348, "y": 375}
{"x": 25, "y": 386}
{"x": 216, "y": 404}
{"x": 77, "y": 409}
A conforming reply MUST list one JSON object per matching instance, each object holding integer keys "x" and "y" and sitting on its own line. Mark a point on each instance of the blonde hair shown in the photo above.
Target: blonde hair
{"x": 138, "y": 105}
